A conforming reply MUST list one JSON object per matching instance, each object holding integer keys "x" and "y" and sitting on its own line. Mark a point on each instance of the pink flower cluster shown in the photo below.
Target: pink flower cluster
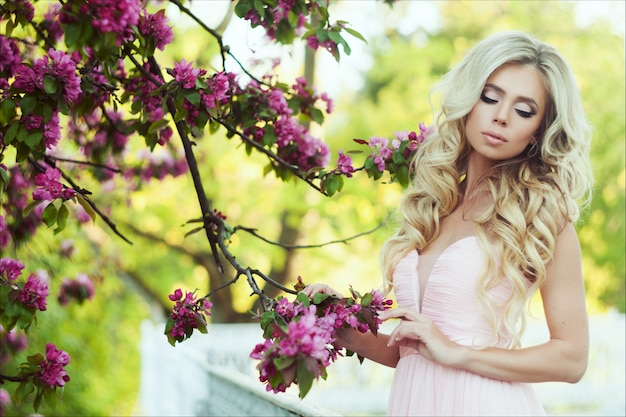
{"x": 59, "y": 66}
{"x": 155, "y": 26}
{"x": 144, "y": 91}
{"x": 158, "y": 165}
{"x": 275, "y": 116}
{"x": 344, "y": 164}
{"x": 80, "y": 289}
{"x": 188, "y": 314}
{"x": 382, "y": 149}
{"x": 52, "y": 23}
{"x": 9, "y": 58}
{"x": 50, "y": 188}
{"x": 273, "y": 18}
{"x": 303, "y": 332}
{"x": 51, "y": 370}
{"x": 5, "y": 234}
{"x": 34, "y": 293}
{"x": 19, "y": 226}
{"x": 10, "y": 269}
{"x": 11, "y": 342}
{"x": 115, "y": 16}
{"x": 185, "y": 74}
{"x": 22, "y": 7}
{"x": 214, "y": 91}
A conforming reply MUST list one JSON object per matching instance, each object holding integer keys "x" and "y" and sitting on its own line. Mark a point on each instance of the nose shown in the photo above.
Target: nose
{"x": 500, "y": 117}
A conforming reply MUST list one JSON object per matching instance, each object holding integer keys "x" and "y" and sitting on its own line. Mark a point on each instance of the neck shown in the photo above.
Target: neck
{"x": 477, "y": 168}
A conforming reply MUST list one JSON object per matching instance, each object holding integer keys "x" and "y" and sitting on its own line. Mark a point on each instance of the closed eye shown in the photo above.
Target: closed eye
{"x": 487, "y": 99}
{"x": 525, "y": 114}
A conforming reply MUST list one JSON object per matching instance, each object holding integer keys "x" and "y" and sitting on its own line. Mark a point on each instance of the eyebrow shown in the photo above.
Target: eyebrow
{"x": 528, "y": 100}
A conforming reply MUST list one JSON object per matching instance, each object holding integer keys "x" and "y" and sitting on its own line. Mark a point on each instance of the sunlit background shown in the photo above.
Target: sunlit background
{"x": 380, "y": 88}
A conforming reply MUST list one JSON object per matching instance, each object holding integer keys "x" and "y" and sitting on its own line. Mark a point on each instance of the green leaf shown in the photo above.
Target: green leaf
{"x": 49, "y": 215}
{"x": 37, "y": 402}
{"x": 7, "y": 111}
{"x": 332, "y": 183}
{"x": 317, "y": 115}
{"x": 50, "y": 84}
{"x": 354, "y": 33}
{"x": 193, "y": 97}
{"x": 35, "y": 359}
{"x": 367, "y": 299}
{"x": 90, "y": 211}
{"x": 33, "y": 138}
{"x": 62, "y": 215}
{"x": 403, "y": 176}
{"x": 11, "y": 132}
{"x": 319, "y": 297}
{"x": 28, "y": 104}
{"x": 49, "y": 394}
{"x": 303, "y": 299}
{"x": 158, "y": 125}
{"x": 283, "y": 362}
{"x": 72, "y": 34}
{"x": 23, "y": 390}
{"x": 305, "y": 379}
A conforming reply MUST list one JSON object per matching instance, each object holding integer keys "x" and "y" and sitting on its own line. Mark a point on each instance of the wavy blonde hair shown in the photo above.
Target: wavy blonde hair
{"x": 534, "y": 194}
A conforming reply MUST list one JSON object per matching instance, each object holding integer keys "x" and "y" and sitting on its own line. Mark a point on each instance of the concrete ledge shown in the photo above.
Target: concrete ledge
{"x": 231, "y": 393}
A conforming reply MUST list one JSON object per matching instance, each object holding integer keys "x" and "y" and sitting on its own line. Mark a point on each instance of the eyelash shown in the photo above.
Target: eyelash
{"x": 522, "y": 113}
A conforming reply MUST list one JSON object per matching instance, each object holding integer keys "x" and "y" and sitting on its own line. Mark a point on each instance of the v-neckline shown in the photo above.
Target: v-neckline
{"x": 422, "y": 293}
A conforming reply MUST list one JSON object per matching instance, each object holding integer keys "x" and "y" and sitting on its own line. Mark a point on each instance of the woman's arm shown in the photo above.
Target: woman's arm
{"x": 374, "y": 348}
{"x": 562, "y": 358}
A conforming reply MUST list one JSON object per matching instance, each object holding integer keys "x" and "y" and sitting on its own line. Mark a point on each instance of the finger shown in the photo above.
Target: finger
{"x": 403, "y": 313}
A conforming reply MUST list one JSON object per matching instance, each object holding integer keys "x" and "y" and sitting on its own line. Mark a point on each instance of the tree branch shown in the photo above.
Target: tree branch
{"x": 83, "y": 193}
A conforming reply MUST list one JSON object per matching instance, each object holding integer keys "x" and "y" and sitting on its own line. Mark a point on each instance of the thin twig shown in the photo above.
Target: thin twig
{"x": 331, "y": 242}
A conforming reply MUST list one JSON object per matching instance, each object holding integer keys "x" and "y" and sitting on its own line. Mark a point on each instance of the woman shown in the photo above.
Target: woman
{"x": 487, "y": 221}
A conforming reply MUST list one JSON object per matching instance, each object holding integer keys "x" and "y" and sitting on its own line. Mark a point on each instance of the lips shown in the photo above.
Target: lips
{"x": 494, "y": 138}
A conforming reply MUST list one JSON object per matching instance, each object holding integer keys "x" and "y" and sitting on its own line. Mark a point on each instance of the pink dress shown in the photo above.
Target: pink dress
{"x": 424, "y": 388}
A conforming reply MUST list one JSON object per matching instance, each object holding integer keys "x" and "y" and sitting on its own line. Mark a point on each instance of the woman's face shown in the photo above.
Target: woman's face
{"x": 507, "y": 115}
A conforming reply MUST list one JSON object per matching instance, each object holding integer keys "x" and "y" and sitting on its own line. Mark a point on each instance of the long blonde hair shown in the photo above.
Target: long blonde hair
{"x": 534, "y": 194}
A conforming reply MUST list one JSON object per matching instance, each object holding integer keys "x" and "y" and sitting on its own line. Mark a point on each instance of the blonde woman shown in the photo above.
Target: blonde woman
{"x": 487, "y": 221}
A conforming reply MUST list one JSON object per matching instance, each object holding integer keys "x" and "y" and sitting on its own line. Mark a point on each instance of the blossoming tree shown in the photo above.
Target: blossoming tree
{"x": 87, "y": 68}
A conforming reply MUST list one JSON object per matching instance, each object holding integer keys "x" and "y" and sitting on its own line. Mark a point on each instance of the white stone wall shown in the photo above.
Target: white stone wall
{"x": 190, "y": 379}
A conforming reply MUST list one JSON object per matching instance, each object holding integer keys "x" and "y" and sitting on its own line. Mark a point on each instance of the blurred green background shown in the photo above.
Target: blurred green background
{"x": 381, "y": 88}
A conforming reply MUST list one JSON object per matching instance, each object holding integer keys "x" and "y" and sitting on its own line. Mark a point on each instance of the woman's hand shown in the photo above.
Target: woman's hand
{"x": 420, "y": 333}
{"x": 312, "y": 289}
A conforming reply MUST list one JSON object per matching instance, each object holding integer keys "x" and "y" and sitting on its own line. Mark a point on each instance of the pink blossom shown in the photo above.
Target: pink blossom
{"x": 25, "y": 8}
{"x": 313, "y": 42}
{"x": 5, "y": 400}
{"x": 52, "y": 131}
{"x": 51, "y": 370}
{"x": 277, "y": 102}
{"x": 34, "y": 293}
{"x": 32, "y": 121}
{"x": 50, "y": 187}
{"x": 11, "y": 342}
{"x": 56, "y": 64}
{"x": 10, "y": 269}
{"x": 80, "y": 289}
{"x": 9, "y": 58}
{"x": 155, "y": 25}
{"x": 328, "y": 101}
{"x": 345, "y": 164}
{"x": 186, "y": 313}
{"x": 5, "y": 236}
{"x": 185, "y": 74}
{"x": 117, "y": 16}
{"x": 52, "y": 23}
